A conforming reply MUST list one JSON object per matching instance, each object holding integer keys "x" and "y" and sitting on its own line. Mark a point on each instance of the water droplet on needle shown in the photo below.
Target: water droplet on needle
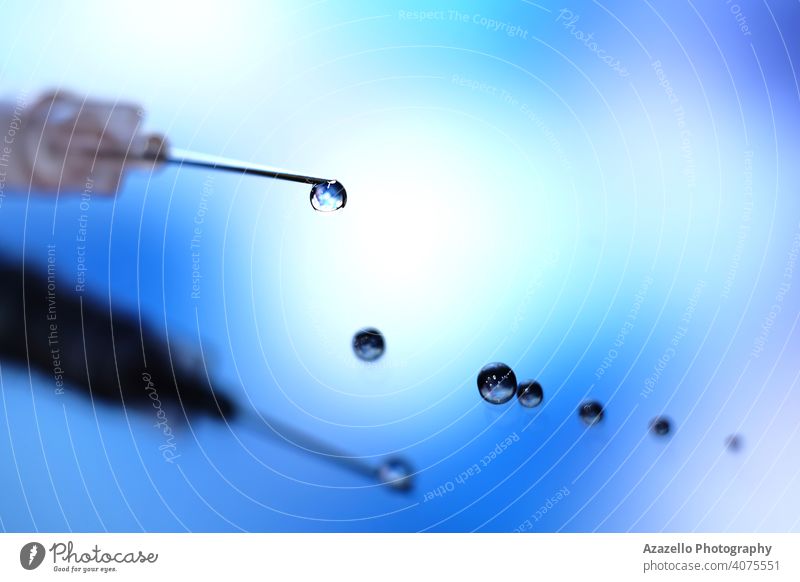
{"x": 328, "y": 196}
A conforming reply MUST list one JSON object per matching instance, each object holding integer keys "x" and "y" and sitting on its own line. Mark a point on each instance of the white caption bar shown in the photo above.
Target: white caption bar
{"x": 354, "y": 557}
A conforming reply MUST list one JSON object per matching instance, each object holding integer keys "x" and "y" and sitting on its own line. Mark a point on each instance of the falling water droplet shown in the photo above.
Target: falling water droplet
{"x": 530, "y": 394}
{"x": 734, "y": 443}
{"x": 497, "y": 383}
{"x": 661, "y": 426}
{"x": 591, "y": 412}
{"x": 396, "y": 473}
{"x": 368, "y": 344}
{"x": 328, "y": 196}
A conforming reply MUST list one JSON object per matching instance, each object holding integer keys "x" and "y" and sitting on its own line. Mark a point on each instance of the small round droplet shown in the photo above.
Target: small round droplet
{"x": 328, "y": 196}
{"x": 497, "y": 383}
{"x": 530, "y": 394}
{"x": 368, "y": 344}
{"x": 734, "y": 443}
{"x": 661, "y": 426}
{"x": 591, "y": 412}
{"x": 396, "y": 473}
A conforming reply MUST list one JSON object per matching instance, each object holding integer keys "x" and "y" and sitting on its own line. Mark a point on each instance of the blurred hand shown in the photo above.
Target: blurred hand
{"x": 71, "y": 143}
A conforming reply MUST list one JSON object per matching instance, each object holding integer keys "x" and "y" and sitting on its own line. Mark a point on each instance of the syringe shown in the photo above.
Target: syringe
{"x": 327, "y": 195}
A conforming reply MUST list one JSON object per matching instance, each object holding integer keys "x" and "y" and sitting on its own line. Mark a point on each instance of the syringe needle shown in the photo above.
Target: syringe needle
{"x": 189, "y": 158}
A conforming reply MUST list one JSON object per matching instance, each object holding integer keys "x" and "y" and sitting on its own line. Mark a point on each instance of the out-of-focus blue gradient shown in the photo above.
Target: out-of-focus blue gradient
{"x": 625, "y": 232}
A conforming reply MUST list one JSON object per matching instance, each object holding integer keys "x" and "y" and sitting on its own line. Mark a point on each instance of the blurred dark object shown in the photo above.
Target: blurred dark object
{"x": 81, "y": 345}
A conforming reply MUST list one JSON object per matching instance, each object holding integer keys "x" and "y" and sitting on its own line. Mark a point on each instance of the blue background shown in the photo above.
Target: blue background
{"x": 510, "y": 194}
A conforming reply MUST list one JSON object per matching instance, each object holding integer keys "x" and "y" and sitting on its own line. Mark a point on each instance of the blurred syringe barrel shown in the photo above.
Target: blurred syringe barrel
{"x": 83, "y": 344}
